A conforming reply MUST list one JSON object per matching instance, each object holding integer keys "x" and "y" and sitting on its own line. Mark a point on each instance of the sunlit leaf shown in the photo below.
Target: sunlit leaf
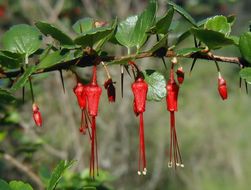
{"x": 22, "y": 39}
{"x": 156, "y": 85}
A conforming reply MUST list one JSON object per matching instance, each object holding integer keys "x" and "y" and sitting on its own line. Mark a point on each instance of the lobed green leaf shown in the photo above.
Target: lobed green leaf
{"x": 22, "y": 39}
{"x": 156, "y": 85}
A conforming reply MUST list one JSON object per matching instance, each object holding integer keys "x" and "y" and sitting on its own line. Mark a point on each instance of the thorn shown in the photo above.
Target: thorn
{"x": 23, "y": 93}
{"x": 122, "y": 79}
{"x": 194, "y": 61}
{"x": 62, "y": 79}
{"x": 164, "y": 62}
{"x": 240, "y": 81}
{"x": 127, "y": 69}
{"x": 246, "y": 86}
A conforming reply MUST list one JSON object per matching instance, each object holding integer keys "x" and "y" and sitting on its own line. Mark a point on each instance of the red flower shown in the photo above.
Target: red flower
{"x": 37, "y": 115}
{"x": 140, "y": 88}
{"x": 222, "y": 87}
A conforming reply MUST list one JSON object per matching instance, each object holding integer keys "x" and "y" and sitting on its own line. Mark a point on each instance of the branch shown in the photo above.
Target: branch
{"x": 89, "y": 60}
{"x": 24, "y": 169}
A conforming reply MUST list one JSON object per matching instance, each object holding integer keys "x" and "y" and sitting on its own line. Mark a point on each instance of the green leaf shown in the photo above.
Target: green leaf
{"x": 57, "y": 57}
{"x": 213, "y": 39}
{"x": 231, "y": 19}
{"x": 23, "y": 79}
{"x": 22, "y": 39}
{"x": 94, "y": 36}
{"x": 8, "y": 62}
{"x": 245, "y": 46}
{"x": 125, "y": 29}
{"x": 187, "y": 51}
{"x": 163, "y": 24}
{"x": 6, "y": 97}
{"x": 4, "y": 185}
{"x": 58, "y": 173}
{"x": 183, "y": 13}
{"x": 246, "y": 74}
{"x": 83, "y": 25}
{"x": 218, "y": 24}
{"x": 57, "y": 34}
{"x": 145, "y": 21}
{"x": 19, "y": 185}
{"x": 156, "y": 85}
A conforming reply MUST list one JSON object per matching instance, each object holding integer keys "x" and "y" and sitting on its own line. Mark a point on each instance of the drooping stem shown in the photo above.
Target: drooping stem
{"x": 31, "y": 89}
{"x": 94, "y": 75}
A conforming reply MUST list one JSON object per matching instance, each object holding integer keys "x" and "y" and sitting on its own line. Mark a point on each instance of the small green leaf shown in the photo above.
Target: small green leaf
{"x": 23, "y": 79}
{"x": 187, "y": 51}
{"x": 57, "y": 34}
{"x": 58, "y": 173}
{"x": 93, "y": 36}
{"x": 125, "y": 31}
{"x": 19, "y": 185}
{"x": 57, "y": 57}
{"x": 6, "y": 97}
{"x": 83, "y": 25}
{"x": 163, "y": 24}
{"x": 218, "y": 24}
{"x": 8, "y": 62}
{"x": 156, "y": 85}
{"x": 231, "y": 19}
{"x": 4, "y": 185}
{"x": 145, "y": 21}
{"x": 22, "y": 39}
{"x": 213, "y": 39}
{"x": 245, "y": 46}
{"x": 183, "y": 13}
{"x": 246, "y": 74}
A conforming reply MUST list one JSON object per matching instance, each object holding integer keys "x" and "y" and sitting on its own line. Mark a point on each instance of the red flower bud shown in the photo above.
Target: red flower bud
{"x": 79, "y": 91}
{"x": 111, "y": 92}
{"x": 37, "y": 115}
{"x": 222, "y": 88}
{"x": 180, "y": 75}
{"x": 140, "y": 88}
{"x": 172, "y": 95}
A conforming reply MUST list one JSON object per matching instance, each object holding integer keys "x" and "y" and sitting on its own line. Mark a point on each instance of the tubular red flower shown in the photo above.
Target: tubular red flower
{"x": 222, "y": 88}
{"x": 79, "y": 91}
{"x": 93, "y": 93}
{"x": 37, "y": 115}
{"x": 140, "y": 88}
{"x": 172, "y": 106}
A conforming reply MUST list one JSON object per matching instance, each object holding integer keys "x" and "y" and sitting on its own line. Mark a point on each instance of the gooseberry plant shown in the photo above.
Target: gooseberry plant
{"x": 26, "y": 54}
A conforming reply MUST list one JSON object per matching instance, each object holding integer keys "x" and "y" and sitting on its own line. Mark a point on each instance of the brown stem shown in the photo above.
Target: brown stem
{"x": 89, "y": 60}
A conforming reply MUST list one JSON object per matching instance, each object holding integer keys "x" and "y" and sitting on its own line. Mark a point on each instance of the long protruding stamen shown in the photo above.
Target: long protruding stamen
{"x": 96, "y": 147}
{"x": 178, "y": 149}
{"x": 143, "y": 143}
{"x": 86, "y": 123}
{"x": 92, "y": 148}
{"x": 82, "y": 127}
{"x": 139, "y": 162}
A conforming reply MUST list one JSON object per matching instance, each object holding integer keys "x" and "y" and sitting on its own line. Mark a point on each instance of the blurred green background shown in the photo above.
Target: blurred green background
{"x": 214, "y": 134}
